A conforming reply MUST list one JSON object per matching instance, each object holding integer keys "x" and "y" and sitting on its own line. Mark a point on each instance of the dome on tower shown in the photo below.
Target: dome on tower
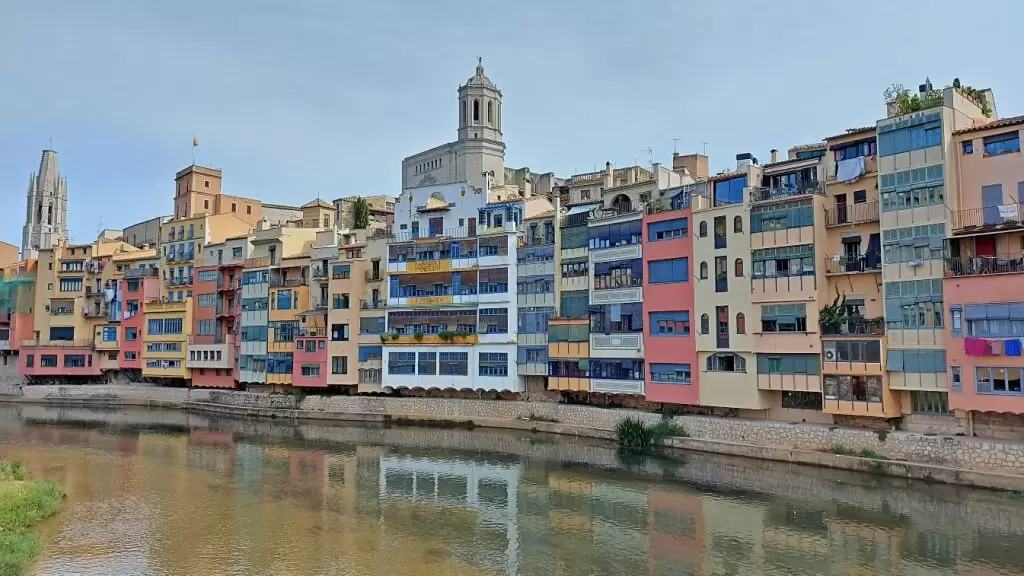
{"x": 479, "y": 79}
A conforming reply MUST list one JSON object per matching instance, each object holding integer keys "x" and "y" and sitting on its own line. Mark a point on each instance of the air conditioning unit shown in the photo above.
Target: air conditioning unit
{"x": 830, "y": 352}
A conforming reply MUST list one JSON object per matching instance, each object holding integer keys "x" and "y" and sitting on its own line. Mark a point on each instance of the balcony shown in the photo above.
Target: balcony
{"x": 766, "y": 194}
{"x": 846, "y": 214}
{"x": 855, "y": 327}
{"x": 984, "y": 265}
{"x": 152, "y": 306}
{"x": 318, "y": 303}
{"x": 372, "y": 304}
{"x": 278, "y": 282}
{"x": 853, "y": 264}
{"x": 990, "y": 219}
{"x": 228, "y": 284}
{"x": 226, "y": 309}
{"x": 262, "y": 262}
{"x": 722, "y": 283}
{"x": 42, "y": 343}
{"x": 318, "y": 272}
{"x": 447, "y": 233}
{"x": 311, "y": 333}
{"x": 443, "y": 338}
{"x": 142, "y": 273}
{"x": 94, "y": 311}
{"x": 371, "y": 277}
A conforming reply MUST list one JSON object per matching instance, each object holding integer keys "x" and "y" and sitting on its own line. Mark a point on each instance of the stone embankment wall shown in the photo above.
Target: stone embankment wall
{"x": 1003, "y": 457}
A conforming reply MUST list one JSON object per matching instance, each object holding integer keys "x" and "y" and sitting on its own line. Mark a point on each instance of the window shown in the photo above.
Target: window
{"x": 427, "y": 365}
{"x": 48, "y": 361}
{"x": 737, "y": 225}
{"x": 855, "y": 150}
{"x": 339, "y": 365}
{"x": 925, "y": 134}
{"x": 164, "y": 326}
{"x": 234, "y": 207}
{"x": 401, "y": 363}
{"x": 726, "y": 362}
{"x": 738, "y": 268}
{"x": 703, "y": 229}
{"x": 729, "y": 191}
{"x": 671, "y": 270}
{"x": 131, "y": 355}
{"x": 206, "y": 204}
{"x": 110, "y": 333}
{"x": 741, "y": 323}
{"x": 956, "y": 320}
{"x": 670, "y": 323}
{"x": 341, "y": 271}
{"x": 341, "y": 301}
{"x": 284, "y": 300}
{"x": 207, "y": 275}
{"x": 929, "y": 403}
{"x": 453, "y": 363}
{"x": 866, "y": 351}
{"x": 617, "y": 369}
{"x": 670, "y": 373}
{"x": 860, "y": 196}
{"x": 997, "y": 380}
{"x": 248, "y": 210}
{"x": 236, "y": 252}
{"x": 703, "y": 270}
{"x": 705, "y": 324}
{"x": 783, "y": 261}
{"x": 310, "y": 370}
{"x": 853, "y": 388}
{"x": 30, "y": 360}
{"x": 611, "y": 275}
{"x": 610, "y": 235}
{"x": 967, "y": 147}
{"x": 206, "y": 327}
{"x": 585, "y": 194}
{"x": 916, "y": 361}
{"x": 339, "y": 332}
{"x": 784, "y": 318}
{"x": 1002, "y": 143}
{"x": 956, "y": 383}
{"x": 207, "y": 300}
{"x": 493, "y": 364}
{"x": 131, "y": 334}
{"x": 70, "y": 284}
{"x": 801, "y": 400}
{"x": 76, "y": 360}
{"x": 668, "y": 229}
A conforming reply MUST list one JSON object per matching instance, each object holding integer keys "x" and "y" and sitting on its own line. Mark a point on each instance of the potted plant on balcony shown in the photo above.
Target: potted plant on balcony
{"x": 394, "y": 336}
{"x": 417, "y": 336}
{"x": 446, "y": 336}
{"x": 459, "y": 335}
{"x": 834, "y": 316}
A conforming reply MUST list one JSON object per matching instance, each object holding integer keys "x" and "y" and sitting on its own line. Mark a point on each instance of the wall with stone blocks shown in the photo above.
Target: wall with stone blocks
{"x": 951, "y": 451}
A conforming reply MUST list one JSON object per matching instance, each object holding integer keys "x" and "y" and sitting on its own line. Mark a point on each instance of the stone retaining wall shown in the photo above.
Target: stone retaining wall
{"x": 965, "y": 453}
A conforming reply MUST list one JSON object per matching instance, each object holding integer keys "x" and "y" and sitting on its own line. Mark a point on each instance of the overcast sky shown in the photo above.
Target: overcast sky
{"x": 299, "y": 98}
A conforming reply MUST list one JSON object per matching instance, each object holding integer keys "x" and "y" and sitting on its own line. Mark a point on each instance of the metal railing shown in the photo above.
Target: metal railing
{"x": 223, "y": 309}
{"x": 311, "y": 333}
{"x": 291, "y": 282}
{"x": 40, "y": 343}
{"x": 447, "y": 233}
{"x": 854, "y": 264}
{"x": 851, "y": 214}
{"x": 373, "y": 304}
{"x": 371, "y": 277}
{"x": 142, "y": 273}
{"x": 856, "y": 327}
{"x": 318, "y": 272}
{"x": 228, "y": 284}
{"x": 981, "y": 265}
{"x": 766, "y": 194}
{"x": 989, "y": 218}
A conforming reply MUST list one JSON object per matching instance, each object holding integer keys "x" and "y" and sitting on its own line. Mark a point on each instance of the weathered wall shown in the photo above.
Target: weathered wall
{"x": 952, "y": 451}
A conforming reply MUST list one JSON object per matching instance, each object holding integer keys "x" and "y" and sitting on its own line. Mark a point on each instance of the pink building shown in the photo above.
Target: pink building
{"x": 669, "y": 344}
{"x": 309, "y": 368}
{"x": 138, "y": 286}
{"x": 68, "y": 358}
{"x": 985, "y": 269}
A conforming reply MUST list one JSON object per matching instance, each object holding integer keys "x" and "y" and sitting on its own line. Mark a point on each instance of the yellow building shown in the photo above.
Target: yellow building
{"x": 168, "y": 325}
{"x": 289, "y": 298}
{"x": 372, "y": 313}
{"x": 181, "y": 244}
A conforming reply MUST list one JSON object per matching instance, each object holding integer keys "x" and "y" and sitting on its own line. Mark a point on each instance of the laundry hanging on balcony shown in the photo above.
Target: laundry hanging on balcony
{"x": 851, "y": 169}
{"x": 1013, "y": 347}
{"x": 976, "y": 347}
{"x": 996, "y": 347}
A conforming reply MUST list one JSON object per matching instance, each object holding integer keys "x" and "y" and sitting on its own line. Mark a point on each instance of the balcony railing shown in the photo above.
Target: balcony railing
{"x": 212, "y": 339}
{"x": 319, "y": 272}
{"x": 225, "y": 309}
{"x": 311, "y": 333}
{"x": 371, "y": 277}
{"x": 988, "y": 219}
{"x": 41, "y": 343}
{"x": 981, "y": 265}
{"x": 373, "y": 304}
{"x": 854, "y": 264}
{"x": 142, "y": 273}
{"x": 613, "y": 212}
{"x": 447, "y": 233}
{"x": 228, "y": 283}
{"x": 278, "y": 282}
{"x": 852, "y": 214}
{"x": 766, "y": 194}
{"x": 262, "y": 262}
{"x": 856, "y": 327}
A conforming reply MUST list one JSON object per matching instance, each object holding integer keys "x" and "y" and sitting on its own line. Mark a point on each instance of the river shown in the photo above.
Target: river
{"x": 163, "y": 492}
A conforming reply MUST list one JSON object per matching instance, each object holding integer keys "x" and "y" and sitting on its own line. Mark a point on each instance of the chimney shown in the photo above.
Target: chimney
{"x": 609, "y": 175}
{"x": 775, "y": 155}
{"x": 744, "y": 160}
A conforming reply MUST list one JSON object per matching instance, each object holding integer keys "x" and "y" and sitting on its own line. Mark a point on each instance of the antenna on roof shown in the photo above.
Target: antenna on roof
{"x": 675, "y": 143}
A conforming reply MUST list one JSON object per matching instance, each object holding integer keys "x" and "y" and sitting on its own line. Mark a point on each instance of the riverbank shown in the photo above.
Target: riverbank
{"x": 950, "y": 459}
{"x": 23, "y": 504}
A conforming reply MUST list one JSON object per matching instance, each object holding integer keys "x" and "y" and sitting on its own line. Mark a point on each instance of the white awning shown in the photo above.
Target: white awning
{"x": 583, "y": 208}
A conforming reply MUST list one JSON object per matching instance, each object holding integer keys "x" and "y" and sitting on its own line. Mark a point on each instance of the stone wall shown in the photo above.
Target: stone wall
{"x": 951, "y": 451}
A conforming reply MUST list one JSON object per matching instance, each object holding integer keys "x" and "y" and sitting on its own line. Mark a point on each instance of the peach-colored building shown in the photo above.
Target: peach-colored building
{"x": 668, "y": 341}
{"x": 984, "y": 267}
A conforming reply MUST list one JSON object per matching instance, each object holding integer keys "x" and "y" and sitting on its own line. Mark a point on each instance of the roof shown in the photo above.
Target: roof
{"x": 1005, "y": 122}
{"x": 545, "y": 214}
{"x": 852, "y": 131}
{"x": 282, "y": 207}
{"x": 790, "y": 161}
{"x": 298, "y": 256}
{"x": 318, "y": 202}
{"x": 804, "y": 147}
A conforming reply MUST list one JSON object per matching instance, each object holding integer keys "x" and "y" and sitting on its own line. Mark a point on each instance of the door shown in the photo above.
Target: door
{"x": 991, "y": 199}
{"x": 851, "y": 254}
{"x": 841, "y": 215}
{"x": 472, "y": 227}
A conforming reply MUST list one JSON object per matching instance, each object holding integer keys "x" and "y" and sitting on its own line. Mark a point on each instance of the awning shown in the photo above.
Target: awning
{"x": 583, "y": 208}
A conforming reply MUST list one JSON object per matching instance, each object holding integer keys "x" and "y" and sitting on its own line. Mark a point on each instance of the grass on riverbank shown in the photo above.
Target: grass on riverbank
{"x": 23, "y": 503}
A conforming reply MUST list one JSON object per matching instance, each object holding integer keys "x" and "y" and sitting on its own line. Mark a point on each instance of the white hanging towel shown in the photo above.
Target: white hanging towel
{"x": 1008, "y": 211}
{"x": 850, "y": 169}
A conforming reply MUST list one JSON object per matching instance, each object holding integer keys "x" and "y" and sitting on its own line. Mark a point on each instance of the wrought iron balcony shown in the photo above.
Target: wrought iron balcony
{"x": 373, "y": 304}
{"x": 854, "y": 264}
{"x": 319, "y": 272}
{"x": 227, "y": 284}
{"x": 290, "y": 282}
{"x": 766, "y": 194}
{"x": 142, "y": 272}
{"x": 846, "y": 214}
{"x": 1005, "y": 218}
{"x": 982, "y": 265}
{"x": 856, "y": 327}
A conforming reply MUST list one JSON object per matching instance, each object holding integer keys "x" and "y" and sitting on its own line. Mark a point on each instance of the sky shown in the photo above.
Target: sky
{"x": 295, "y": 99}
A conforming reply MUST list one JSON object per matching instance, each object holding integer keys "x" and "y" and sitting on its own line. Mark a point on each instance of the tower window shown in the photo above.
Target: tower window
{"x": 248, "y": 209}
{"x": 490, "y": 113}
{"x": 206, "y": 204}
{"x": 476, "y": 110}
{"x": 462, "y": 113}
{"x": 234, "y": 207}
{"x": 206, "y": 183}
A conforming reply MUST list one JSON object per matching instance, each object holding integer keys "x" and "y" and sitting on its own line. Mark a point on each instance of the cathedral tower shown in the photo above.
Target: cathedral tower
{"x": 46, "y": 213}
{"x": 480, "y": 146}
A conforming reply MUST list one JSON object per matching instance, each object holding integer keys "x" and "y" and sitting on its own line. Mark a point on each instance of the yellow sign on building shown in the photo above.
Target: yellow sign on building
{"x": 430, "y": 301}
{"x": 429, "y": 266}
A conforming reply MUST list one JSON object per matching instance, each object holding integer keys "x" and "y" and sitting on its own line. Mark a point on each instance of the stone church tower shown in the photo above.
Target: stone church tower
{"x": 479, "y": 148}
{"x": 46, "y": 213}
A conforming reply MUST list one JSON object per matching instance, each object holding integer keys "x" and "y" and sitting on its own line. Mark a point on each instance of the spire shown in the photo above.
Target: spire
{"x": 479, "y": 65}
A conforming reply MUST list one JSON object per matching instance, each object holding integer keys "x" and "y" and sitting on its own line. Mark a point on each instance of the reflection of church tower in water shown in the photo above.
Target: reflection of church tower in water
{"x": 46, "y": 214}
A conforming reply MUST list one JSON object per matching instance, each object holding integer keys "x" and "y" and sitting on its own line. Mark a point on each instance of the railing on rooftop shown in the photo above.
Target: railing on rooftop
{"x": 845, "y": 214}
{"x": 766, "y": 194}
{"x": 988, "y": 219}
{"x": 982, "y": 265}
{"x": 856, "y": 327}
{"x": 311, "y": 333}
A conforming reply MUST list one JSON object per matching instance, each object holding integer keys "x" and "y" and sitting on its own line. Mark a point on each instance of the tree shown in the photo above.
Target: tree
{"x": 361, "y": 213}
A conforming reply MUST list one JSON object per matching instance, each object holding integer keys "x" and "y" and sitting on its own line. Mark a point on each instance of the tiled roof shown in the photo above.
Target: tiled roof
{"x": 852, "y": 131}
{"x": 789, "y": 161}
{"x": 545, "y": 214}
{"x": 805, "y": 147}
{"x": 1011, "y": 121}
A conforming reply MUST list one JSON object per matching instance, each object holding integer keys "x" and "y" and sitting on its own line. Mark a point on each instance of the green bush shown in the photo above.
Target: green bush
{"x": 23, "y": 504}
{"x": 632, "y": 432}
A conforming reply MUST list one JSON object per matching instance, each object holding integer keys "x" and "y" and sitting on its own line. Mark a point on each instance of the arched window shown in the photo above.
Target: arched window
{"x": 737, "y": 224}
{"x": 739, "y": 268}
{"x": 490, "y": 113}
{"x": 741, "y": 323}
{"x": 703, "y": 229}
{"x": 703, "y": 270}
{"x": 462, "y": 113}
{"x": 705, "y": 324}
{"x": 49, "y": 214}
{"x": 476, "y": 110}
